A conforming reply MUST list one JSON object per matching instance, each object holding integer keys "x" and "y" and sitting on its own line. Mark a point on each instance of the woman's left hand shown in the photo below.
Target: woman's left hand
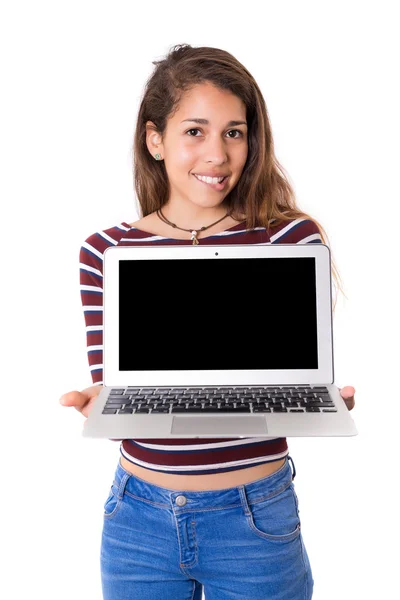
{"x": 347, "y": 394}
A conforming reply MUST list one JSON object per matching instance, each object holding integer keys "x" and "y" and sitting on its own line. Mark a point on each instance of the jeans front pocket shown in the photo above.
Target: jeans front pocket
{"x": 113, "y": 503}
{"x": 276, "y": 517}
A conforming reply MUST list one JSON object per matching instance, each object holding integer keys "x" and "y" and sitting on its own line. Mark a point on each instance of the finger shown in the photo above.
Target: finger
{"x": 76, "y": 399}
{"x": 350, "y": 403}
{"x": 347, "y": 393}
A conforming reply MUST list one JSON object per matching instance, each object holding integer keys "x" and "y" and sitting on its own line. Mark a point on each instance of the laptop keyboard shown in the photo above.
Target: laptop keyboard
{"x": 265, "y": 399}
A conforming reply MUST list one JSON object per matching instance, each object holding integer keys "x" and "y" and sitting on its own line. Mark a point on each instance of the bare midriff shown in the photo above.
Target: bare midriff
{"x": 215, "y": 481}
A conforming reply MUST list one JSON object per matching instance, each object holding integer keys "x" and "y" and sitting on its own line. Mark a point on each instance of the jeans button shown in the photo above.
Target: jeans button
{"x": 180, "y": 500}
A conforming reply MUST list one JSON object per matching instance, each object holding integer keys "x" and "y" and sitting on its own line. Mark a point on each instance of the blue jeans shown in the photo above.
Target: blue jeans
{"x": 241, "y": 542}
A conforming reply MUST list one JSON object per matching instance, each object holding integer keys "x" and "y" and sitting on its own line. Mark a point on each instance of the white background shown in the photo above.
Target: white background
{"x": 72, "y": 74}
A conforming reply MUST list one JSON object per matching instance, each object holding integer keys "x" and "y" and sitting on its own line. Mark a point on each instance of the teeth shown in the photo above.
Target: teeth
{"x": 212, "y": 180}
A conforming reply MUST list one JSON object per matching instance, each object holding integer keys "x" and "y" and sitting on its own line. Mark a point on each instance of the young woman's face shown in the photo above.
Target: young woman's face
{"x": 215, "y": 148}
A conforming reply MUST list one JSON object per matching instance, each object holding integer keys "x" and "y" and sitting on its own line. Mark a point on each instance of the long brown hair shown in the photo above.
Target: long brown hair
{"x": 263, "y": 192}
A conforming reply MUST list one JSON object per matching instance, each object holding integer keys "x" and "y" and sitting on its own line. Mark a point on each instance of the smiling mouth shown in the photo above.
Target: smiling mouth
{"x": 216, "y": 186}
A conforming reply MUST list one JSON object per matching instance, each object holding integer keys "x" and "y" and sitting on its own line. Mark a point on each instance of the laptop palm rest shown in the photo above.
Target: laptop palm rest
{"x": 223, "y": 425}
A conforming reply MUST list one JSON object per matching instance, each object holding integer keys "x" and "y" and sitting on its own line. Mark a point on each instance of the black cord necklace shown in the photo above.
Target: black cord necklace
{"x": 194, "y": 232}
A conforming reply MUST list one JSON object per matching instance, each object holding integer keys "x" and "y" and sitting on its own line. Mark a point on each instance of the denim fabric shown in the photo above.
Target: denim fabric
{"x": 239, "y": 543}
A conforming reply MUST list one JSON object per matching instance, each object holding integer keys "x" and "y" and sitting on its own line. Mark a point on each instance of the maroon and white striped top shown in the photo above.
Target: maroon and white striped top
{"x": 184, "y": 456}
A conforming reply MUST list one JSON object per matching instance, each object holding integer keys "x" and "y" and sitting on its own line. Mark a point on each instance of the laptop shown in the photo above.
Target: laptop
{"x": 218, "y": 341}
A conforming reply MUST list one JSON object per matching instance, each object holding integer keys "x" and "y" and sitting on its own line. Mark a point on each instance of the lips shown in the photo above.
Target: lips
{"x": 216, "y": 186}
{"x": 215, "y": 175}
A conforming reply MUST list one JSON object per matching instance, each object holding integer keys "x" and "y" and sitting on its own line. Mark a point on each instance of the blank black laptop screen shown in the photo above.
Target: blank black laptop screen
{"x": 217, "y": 314}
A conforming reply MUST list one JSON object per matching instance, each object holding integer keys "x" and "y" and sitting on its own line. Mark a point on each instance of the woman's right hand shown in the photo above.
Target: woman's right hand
{"x": 82, "y": 401}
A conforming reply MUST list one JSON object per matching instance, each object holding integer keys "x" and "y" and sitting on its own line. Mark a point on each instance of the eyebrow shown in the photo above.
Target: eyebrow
{"x": 205, "y": 122}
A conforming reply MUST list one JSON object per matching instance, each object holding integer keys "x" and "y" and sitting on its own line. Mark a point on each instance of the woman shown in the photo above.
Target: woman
{"x": 183, "y": 514}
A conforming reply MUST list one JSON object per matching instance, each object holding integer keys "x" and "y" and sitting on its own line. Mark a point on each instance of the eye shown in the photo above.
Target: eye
{"x": 230, "y": 131}
{"x": 238, "y": 131}
{"x": 192, "y": 130}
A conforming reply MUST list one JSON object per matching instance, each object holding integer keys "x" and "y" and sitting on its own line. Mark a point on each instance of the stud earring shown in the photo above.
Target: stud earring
{"x": 158, "y": 156}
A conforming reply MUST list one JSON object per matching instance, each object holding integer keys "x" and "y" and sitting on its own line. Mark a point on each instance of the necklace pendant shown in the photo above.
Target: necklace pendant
{"x": 194, "y": 238}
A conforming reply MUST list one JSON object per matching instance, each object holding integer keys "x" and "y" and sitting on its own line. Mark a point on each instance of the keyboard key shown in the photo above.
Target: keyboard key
{"x": 318, "y": 403}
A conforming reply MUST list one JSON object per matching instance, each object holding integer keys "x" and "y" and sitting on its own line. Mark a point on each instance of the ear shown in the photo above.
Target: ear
{"x": 154, "y": 140}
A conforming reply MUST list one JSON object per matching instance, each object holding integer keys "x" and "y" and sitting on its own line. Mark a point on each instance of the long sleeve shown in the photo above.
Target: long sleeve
{"x": 91, "y": 289}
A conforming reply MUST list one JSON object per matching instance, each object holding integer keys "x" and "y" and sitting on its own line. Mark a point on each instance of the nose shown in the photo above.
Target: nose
{"x": 215, "y": 149}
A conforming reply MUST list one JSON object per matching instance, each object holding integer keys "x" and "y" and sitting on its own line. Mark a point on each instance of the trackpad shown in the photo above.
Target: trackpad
{"x": 219, "y": 425}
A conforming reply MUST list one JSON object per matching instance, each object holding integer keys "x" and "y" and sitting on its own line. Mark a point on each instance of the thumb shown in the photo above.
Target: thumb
{"x": 74, "y": 398}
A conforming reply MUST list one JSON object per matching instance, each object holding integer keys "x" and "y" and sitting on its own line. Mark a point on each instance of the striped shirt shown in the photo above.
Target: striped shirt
{"x": 183, "y": 456}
